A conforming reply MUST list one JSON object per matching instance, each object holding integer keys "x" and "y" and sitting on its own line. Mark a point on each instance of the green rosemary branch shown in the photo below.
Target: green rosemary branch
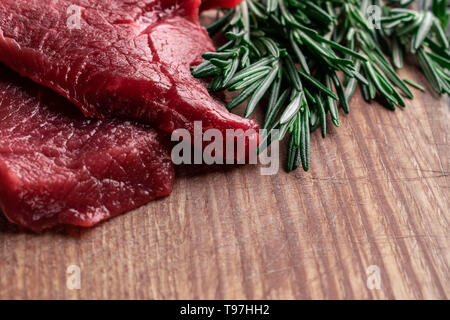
{"x": 307, "y": 57}
{"x": 422, "y": 33}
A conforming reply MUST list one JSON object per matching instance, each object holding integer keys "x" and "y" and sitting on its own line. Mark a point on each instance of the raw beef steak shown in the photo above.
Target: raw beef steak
{"x": 124, "y": 58}
{"x": 57, "y": 167}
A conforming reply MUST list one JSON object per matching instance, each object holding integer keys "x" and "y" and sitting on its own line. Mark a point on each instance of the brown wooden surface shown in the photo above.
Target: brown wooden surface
{"x": 377, "y": 194}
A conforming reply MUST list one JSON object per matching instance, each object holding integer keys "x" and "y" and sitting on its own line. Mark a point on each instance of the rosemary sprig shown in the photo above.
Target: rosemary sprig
{"x": 306, "y": 57}
{"x": 424, "y": 31}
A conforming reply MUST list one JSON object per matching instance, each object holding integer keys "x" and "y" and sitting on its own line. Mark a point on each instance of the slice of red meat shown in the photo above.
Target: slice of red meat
{"x": 212, "y": 4}
{"x": 129, "y": 58}
{"x": 58, "y": 167}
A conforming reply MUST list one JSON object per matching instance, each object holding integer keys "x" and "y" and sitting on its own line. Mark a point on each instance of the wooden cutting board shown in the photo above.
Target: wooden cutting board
{"x": 374, "y": 206}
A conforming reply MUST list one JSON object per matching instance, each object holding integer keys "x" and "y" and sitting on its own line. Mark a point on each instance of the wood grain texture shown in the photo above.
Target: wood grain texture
{"x": 377, "y": 194}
